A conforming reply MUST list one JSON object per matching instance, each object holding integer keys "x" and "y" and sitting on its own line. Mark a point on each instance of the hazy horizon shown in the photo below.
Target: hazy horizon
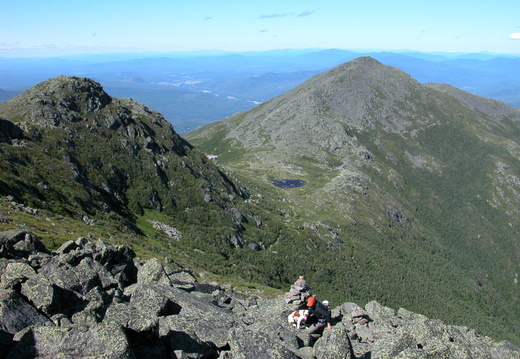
{"x": 35, "y": 29}
{"x": 118, "y": 55}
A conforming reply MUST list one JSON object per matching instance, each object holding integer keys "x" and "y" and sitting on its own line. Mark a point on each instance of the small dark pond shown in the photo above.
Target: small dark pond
{"x": 288, "y": 183}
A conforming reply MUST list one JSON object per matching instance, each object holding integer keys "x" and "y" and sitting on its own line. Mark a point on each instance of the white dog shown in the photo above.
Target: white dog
{"x": 296, "y": 318}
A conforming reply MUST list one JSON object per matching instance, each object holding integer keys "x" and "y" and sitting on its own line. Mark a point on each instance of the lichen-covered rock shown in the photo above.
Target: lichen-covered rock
{"x": 132, "y": 318}
{"x": 152, "y": 271}
{"x": 102, "y": 341}
{"x": 184, "y": 345}
{"x": 16, "y": 273}
{"x": 182, "y": 280}
{"x": 334, "y": 345}
{"x": 40, "y": 292}
{"x": 89, "y": 300}
{"x": 155, "y": 299}
{"x": 19, "y": 244}
{"x": 210, "y": 323}
{"x": 246, "y": 344}
{"x": 16, "y": 314}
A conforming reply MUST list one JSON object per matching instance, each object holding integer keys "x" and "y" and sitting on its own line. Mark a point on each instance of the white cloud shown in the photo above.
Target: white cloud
{"x": 8, "y": 44}
{"x": 515, "y": 36}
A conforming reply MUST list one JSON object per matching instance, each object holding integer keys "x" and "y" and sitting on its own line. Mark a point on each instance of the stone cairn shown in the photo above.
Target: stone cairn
{"x": 299, "y": 292}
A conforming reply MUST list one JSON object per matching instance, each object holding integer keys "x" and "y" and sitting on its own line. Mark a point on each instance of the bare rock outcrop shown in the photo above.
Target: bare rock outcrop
{"x": 94, "y": 299}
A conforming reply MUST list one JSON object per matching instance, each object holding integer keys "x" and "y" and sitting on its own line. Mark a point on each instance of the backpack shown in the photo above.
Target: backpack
{"x": 321, "y": 312}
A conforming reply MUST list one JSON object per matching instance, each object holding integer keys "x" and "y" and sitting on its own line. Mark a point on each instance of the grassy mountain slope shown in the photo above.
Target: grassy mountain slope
{"x": 412, "y": 189}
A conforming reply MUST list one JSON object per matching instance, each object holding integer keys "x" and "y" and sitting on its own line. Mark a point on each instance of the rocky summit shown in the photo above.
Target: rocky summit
{"x": 71, "y": 148}
{"x": 92, "y": 299}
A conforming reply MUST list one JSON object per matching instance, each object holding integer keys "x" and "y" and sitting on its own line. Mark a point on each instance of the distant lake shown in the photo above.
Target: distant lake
{"x": 288, "y": 183}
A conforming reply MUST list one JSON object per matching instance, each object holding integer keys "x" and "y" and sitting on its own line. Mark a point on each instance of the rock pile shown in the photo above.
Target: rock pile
{"x": 93, "y": 299}
{"x": 299, "y": 292}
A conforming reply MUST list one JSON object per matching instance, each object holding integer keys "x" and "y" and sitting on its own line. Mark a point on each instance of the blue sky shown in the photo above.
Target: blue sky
{"x": 49, "y": 28}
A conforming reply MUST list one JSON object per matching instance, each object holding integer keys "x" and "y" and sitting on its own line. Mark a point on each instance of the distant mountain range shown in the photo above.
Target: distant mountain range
{"x": 191, "y": 90}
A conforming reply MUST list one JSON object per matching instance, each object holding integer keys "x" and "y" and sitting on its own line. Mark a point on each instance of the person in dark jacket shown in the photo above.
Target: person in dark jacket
{"x": 323, "y": 315}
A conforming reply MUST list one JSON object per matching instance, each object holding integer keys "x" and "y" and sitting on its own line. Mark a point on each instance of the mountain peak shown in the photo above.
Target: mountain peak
{"x": 78, "y": 89}
{"x": 57, "y": 100}
{"x": 362, "y": 93}
{"x": 363, "y": 61}
{"x": 368, "y": 68}
{"x": 115, "y": 155}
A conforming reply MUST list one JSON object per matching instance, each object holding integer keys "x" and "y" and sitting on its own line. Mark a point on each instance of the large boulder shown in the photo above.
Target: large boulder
{"x": 197, "y": 314}
{"x": 245, "y": 344}
{"x": 16, "y": 313}
{"x": 16, "y": 273}
{"x": 40, "y": 291}
{"x": 101, "y": 341}
{"x": 19, "y": 244}
{"x": 334, "y": 344}
{"x": 152, "y": 271}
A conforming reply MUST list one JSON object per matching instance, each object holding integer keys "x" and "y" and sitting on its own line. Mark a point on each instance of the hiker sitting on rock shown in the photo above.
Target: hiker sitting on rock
{"x": 323, "y": 315}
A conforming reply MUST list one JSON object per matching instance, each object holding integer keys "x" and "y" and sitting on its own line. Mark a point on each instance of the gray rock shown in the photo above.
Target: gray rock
{"x": 207, "y": 320}
{"x": 236, "y": 240}
{"x": 107, "y": 280}
{"x": 407, "y": 315}
{"x": 76, "y": 281}
{"x": 132, "y": 318}
{"x": 152, "y": 271}
{"x": 246, "y": 344}
{"x": 16, "y": 314}
{"x": 185, "y": 345}
{"x": 254, "y": 246}
{"x": 67, "y": 247}
{"x": 102, "y": 341}
{"x": 207, "y": 287}
{"x": 183, "y": 280}
{"x": 40, "y": 292}
{"x": 334, "y": 344}
{"x": 16, "y": 273}
{"x": 19, "y": 244}
{"x": 404, "y": 334}
{"x": 155, "y": 299}
{"x": 90, "y": 300}
{"x": 9, "y": 131}
{"x": 237, "y": 217}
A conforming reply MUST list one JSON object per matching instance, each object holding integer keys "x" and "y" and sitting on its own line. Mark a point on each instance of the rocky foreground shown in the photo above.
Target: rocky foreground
{"x": 94, "y": 299}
